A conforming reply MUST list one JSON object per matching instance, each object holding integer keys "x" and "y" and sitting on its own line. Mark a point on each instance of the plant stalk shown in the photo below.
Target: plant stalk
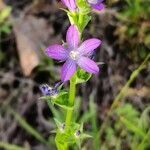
{"x": 71, "y": 99}
{"x": 72, "y": 92}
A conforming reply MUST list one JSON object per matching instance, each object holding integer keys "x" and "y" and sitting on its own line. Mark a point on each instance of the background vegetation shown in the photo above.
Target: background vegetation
{"x": 114, "y": 106}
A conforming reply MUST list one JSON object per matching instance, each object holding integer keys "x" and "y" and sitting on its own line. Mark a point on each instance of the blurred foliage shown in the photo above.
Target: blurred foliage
{"x": 134, "y": 27}
{"x": 125, "y": 125}
{"x": 127, "y": 128}
{"x": 4, "y": 24}
{"x": 8, "y": 146}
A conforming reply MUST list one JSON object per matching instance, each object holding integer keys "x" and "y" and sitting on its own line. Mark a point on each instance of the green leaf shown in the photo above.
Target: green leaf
{"x": 147, "y": 39}
{"x": 82, "y": 76}
{"x": 4, "y": 13}
{"x": 132, "y": 127}
{"x": 56, "y": 113}
{"x": 5, "y": 27}
{"x": 60, "y": 99}
{"x": 8, "y": 146}
{"x": 85, "y": 136}
{"x": 83, "y": 6}
{"x": 79, "y": 19}
{"x": 144, "y": 120}
{"x": 83, "y": 22}
{"x": 73, "y": 18}
{"x": 65, "y": 137}
{"x": 129, "y": 112}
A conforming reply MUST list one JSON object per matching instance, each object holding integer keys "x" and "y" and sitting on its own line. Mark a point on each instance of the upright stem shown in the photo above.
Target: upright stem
{"x": 72, "y": 92}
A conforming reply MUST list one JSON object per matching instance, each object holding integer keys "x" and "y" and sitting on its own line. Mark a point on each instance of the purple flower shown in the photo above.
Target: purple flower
{"x": 71, "y": 4}
{"x": 96, "y": 4}
{"x": 74, "y": 55}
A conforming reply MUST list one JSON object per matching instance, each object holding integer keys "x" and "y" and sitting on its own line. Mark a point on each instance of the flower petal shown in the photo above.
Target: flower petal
{"x": 68, "y": 70}
{"x": 70, "y": 4}
{"x": 98, "y": 7}
{"x": 88, "y": 65}
{"x": 57, "y": 52}
{"x": 89, "y": 45}
{"x": 72, "y": 37}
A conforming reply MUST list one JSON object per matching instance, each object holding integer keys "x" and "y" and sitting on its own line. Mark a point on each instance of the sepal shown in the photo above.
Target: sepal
{"x": 82, "y": 76}
{"x": 71, "y": 135}
{"x": 60, "y": 99}
{"x": 83, "y": 7}
{"x": 79, "y": 19}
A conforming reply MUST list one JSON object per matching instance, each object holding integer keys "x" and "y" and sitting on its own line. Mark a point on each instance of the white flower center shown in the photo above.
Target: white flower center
{"x": 74, "y": 55}
{"x": 93, "y": 1}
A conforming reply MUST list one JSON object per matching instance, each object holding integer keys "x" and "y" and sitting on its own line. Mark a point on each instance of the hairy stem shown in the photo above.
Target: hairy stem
{"x": 72, "y": 92}
{"x": 71, "y": 99}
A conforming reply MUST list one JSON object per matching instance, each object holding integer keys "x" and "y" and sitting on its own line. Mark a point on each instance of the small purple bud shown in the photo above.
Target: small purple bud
{"x": 47, "y": 90}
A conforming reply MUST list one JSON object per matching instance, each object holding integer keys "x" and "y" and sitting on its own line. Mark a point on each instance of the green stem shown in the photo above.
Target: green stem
{"x": 72, "y": 92}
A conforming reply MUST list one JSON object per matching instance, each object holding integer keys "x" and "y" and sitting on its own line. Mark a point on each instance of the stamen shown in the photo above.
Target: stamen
{"x": 74, "y": 55}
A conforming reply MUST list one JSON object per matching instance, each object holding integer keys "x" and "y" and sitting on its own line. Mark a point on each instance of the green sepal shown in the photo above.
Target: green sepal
{"x": 81, "y": 127}
{"x": 83, "y": 15}
{"x": 144, "y": 120}
{"x": 79, "y": 19}
{"x": 57, "y": 122}
{"x": 68, "y": 136}
{"x": 73, "y": 18}
{"x": 60, "y": 99}
{"x": 83, "y": 6}
{"x": 45, "y": 98}
{"x": 82, "y": 76}
{"x": 85, "y": 19}
{"x": 85, "y": 136}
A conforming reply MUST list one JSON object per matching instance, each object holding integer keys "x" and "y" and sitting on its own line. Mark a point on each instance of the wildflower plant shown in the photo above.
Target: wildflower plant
{"x": 78, "y": 67}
